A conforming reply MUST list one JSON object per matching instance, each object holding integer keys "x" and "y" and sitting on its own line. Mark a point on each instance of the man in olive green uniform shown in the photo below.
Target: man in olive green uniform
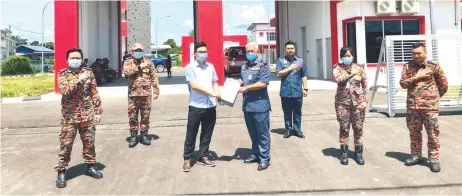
{"x": 80, "y": 112}
{"x": 143, "y": 86}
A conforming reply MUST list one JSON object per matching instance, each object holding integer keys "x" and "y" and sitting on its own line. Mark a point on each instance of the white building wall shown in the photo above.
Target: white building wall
{"x": 263, "y": 39}
{"x": 446, "y": 17}
{"x": 314, "y": 15}
{"x": 316, "y": 18}
{"x": 99, "y": 31}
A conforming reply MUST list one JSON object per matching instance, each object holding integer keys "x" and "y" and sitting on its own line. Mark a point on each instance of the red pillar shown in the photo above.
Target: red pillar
{"x": 210, "y": 30}
{"x": 66, "y": 33}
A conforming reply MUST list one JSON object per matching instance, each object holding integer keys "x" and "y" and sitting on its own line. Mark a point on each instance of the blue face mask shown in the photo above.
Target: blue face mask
{"x": 347, "y": 60}
{"x": 202, "y": 57}
{"x": 251, "y": 56}
{"x": 75, "y": 63}
{"x": 138, "y": 55}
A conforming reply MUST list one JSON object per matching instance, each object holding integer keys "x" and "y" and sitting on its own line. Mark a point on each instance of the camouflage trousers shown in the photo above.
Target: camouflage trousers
{"x": 415, "y": 120}
{"x": 349, "y": 115}
{"x": 67, "y": 137}
{"x": 139, "y": 105}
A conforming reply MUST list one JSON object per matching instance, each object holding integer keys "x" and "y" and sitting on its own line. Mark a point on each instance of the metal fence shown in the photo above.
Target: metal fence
{"x": 396, "y": 50}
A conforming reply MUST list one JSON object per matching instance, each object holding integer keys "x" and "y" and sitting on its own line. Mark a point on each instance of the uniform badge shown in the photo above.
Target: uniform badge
{"x": 250, "y": 76}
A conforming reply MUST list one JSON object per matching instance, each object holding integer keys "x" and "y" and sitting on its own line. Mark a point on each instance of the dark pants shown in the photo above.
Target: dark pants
{"x": 292, "y": 108}
{"x": 169, "y": 71}
{"x": 206, "y": 118}
{"x": 258, "y": 124}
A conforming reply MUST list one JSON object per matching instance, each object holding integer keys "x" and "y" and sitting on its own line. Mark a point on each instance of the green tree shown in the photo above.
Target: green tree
{"x": 49, "y": 45}
{"x": 191, "y": 33}
{"x": 35, "y": 43}
{"x": 19, "y": 40}
{"x": 175, "y": 49}
{"x": 17, "y": 65}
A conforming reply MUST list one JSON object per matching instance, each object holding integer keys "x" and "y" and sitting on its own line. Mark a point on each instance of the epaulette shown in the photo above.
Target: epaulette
{"x": 86, "y": 68}
{"x": 63, "y": 70}
{"x": 432, "y": 62}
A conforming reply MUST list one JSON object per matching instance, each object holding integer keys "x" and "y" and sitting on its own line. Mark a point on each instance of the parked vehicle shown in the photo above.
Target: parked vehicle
{"x": 158, "y": 60}
{"x": 234, "y": 59}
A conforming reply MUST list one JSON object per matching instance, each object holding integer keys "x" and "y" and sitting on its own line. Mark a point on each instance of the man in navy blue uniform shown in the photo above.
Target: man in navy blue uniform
{"x": 294, "y": 79}
{"x": 256, "y": 106}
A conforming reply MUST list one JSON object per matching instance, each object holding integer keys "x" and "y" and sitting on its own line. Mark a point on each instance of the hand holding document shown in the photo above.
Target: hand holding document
{"x": 229, "y": 91}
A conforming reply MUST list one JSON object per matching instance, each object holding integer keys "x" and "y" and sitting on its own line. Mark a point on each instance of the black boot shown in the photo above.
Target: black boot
{"x": 359, "y": 154}
{"x": 414, "y": 160}
{"x": 144, "y": 139}
{"x": 435, "y": 166}
{"x": 94, "y": 172}
{"x": 133, "y": 141}
{"x": 61, "y": 179}
{"x": 344, "y": 155}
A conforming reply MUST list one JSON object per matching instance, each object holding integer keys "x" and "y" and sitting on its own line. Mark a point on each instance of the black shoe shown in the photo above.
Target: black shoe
{"x": 287, "y": 134}
{"x": 61, "y": 179}
{"x": 414, "y": 160}
{"x": 133, "y": 140}
{"x": 263, "y": 166}
{"x": 144, "y": 139}
{"x": 299, "y": 134}
{"x": 359, "y": 154}
{"x": 344, "y": 154}
{"x": 251, "y": 159}
{"x": 94, "y": 172}
{"x": 435, "y": 166}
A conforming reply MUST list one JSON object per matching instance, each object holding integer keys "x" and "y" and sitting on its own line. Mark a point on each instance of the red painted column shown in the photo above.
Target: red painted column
{"x": 66, "y": 33}
{"x": 210, "y": 30}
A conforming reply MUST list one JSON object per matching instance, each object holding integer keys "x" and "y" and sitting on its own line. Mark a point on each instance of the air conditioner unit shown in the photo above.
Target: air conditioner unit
{"x": 410, "y": 6}
{"x": 386, "y": 7}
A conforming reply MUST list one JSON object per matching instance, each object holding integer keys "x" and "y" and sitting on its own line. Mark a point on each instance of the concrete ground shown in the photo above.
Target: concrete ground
{"x": 29, "y": 146}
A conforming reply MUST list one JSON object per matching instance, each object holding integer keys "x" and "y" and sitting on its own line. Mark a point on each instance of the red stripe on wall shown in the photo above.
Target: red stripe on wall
{"x": 66, "y": 33}
{"x": 334, "y": 32}
{"x": 276, "y": 8}
{"x": 210, "y": 22}
{"x": 119, "y": 38}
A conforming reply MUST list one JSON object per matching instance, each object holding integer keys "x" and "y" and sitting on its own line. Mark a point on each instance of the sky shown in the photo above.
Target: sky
{"x": 25, "y": 17}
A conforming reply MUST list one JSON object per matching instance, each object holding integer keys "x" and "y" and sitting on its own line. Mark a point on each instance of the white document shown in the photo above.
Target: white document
{"x": 229, "y": 91}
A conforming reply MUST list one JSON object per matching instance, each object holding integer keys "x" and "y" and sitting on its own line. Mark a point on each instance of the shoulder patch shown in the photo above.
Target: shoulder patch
{"x": 63, "y": 70}
{"x": 86, "y": 69}
{"x": 432, "y": 62}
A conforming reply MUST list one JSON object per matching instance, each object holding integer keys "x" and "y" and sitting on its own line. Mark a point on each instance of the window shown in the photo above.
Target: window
{"x": 271, "y": 36}
{"x": 351, "y": 37}
{"x": 376, "y": 30}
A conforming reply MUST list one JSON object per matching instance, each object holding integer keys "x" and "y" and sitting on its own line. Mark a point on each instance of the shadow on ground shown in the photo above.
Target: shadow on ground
{"x": 239, "y": 154}
{"x": 403, "y": 156}
{"x": 80, "y": 169}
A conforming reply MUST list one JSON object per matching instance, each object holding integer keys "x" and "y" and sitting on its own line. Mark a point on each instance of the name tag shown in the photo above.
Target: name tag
{"x": 255, "y": 69}
{"x": 250, "y": 77}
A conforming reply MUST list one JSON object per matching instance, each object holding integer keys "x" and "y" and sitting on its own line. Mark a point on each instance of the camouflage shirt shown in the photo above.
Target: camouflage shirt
{"x": 351, "y": 90}
{"x": 423, "y": 93}
{"x": 141, "y": 80}
{"x": 80, "y": 101}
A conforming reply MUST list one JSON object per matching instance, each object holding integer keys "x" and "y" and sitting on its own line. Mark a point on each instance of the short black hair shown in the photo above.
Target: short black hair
{"x": 344, "y": 50}
{"x": 200, "y": 44}
{"x": 74, "y": 50}
{"x": 418, "y": 45}
{"x": 289, "y": 43}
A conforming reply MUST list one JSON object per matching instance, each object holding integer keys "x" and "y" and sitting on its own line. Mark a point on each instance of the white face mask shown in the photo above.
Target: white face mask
{"x": 75, "y": 63}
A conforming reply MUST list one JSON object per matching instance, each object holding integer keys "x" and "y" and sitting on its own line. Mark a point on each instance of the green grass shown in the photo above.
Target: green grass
{"x": 27, "y": 86}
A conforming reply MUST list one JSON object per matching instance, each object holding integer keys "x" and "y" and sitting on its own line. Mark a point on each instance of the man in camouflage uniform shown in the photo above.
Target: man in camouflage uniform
{"x": 426, "y": 83}
{"x": 81, "y": 110}
{"x": 143, "y": 81}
